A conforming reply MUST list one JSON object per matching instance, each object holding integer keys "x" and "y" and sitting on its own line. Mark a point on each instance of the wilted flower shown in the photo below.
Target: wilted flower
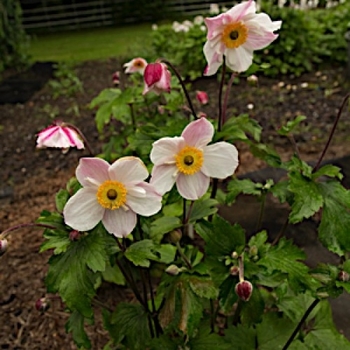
{"x": 59, "y": 135}
{"x": 202, "y": 97}
{"x": 189, "y": 162}
{"x": 116, "y": 78}
{"x": 244, "y": 290}
{"x": 157, "y": 78}
{"x": 136, "y": 65}
{"x": 111, "y": 193}
{"x": 235, "y": 34}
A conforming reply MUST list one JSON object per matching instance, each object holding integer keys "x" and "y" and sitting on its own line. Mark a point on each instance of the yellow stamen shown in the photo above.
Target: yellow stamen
{"x": 111, "y": 194}
{"x": 234, "y": 35}
{"x": 189, "y": 160}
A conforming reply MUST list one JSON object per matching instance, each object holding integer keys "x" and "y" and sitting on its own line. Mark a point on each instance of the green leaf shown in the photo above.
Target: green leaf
{"x": 291, "y": 125}
{"x": 75, "y": 324}
{"x": 307, "y": 197}
{"x": 162, "y": 226}
{"x": 140, "y": 253}
{"x": 227, "y": 294}
{"x": 281, "y": 191}
{"x": 73, "y": 273}
{"x": 266, "y": 153}
{"x": 61, "y": 199}
{"x": 105, "y": 95}
{"x": 203, "y": 208}
{"x": 242, "y": 336}
{"x": 328, "y": 170}
{"x": 246, "y": 186}
{"x": 253, "y": 309}
{"x": 114, "y": 275}
{"x": 203, "y": 286}
{"x": 335, "y": 223}
{"x": 57, "y": 240}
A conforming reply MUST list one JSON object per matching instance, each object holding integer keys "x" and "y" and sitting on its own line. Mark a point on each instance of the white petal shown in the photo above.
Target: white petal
{"x": 92, "y": 171}
{"x": 165, "y": 149}
{"x": 82, "y": 211}
{"x": 237, "y": 12}
{"x": 213, "y": 58}
{"x": 147, "y": 204}
{"x": 119, "y": 222}
{"x": 220, "y": 160}
{"x": 128, "y": 169}
{"x": 194, "y": 186}
{"x": 163, "y": 177}
{"x": 261, "y": 21}
{"x": 240, "y": 59}
{"x": 198, "y": 133}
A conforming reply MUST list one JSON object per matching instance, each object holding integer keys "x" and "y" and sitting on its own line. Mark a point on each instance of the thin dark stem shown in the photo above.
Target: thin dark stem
{"x": 182, "y": 85}
{"x": 86, "y": 143}
{"x": 183, "y": 215}
{"x": 303, "y": 319}
{"x": 212, "y": 316}
{"x": 281, "y": 233}
{"x": 183, "y": 256}
{"x": 294, "y": 144}
{"x": 261, "y": 214}
{"x": 237, "y": 314}
{"x": 5, "y": 233}
{"x": 220, "y": 94}
{"x": 189, "y": 213}
{"x": 332, "y": 133}
{"x": 100, "y": 304}
{"x": 227, "y": 94}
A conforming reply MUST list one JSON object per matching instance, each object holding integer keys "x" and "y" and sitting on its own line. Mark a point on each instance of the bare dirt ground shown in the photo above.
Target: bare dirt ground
{"x": 29, "y": 178}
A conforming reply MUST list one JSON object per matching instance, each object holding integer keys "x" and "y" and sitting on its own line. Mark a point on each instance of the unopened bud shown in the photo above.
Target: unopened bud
{"x": 42, "y": 304}
{"x": 252, "y": 80}
{"x": 172, "y": 270}
{"x": 74, "y": 235}
{"x": 244, "y": 290}
{"x": 175, "y": 236}
{"x": 234, "y": 255}
{"x": 234, "y": 270}
{"x": 3, "y": 246}
{"x": 253, "y": 251}
{"x": 343, "y": 276}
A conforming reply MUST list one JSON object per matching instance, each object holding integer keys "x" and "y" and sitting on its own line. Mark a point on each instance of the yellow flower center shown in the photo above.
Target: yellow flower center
{"x": 234, "y": 35}
{"x": 189, "y": 160}
{"x": 111, "y": 194}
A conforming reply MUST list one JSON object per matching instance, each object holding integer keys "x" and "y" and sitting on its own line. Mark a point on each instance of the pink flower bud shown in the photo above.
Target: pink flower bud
{"x": 3, "y": 246}
{"x": 157, "y": 78}
{"x": 234, "y": 270}
{"x": 202, "y": 97}
{"x": 116, "y": 78}
{"x": 244, "y": 290}
{"x": 136, "y": 65}
{"x": 343, "y": 276}
{"x": 42, "y": 304}
{"x": 59, "y": 136}
{"x": 74, "y": 235}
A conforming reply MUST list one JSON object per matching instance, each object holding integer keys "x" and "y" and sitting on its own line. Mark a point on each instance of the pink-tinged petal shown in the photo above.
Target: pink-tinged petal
{"x": 92, "y": 171}
{"x": 220, "y": 160}
{"x": 147, "y": 203}
{"x": 163, "y": 177}
{"x": 214, "y": 25}
{"x": 261, "y": 21}
{"x": 165, "y": 149}
{"x": 128, "y": 169}
{"x": 202, "y": 97}
{"x": 260, "y": 40}
{"x": 194, "y": 186}
{"x": 82, "y": 211}
{"x": 119, "y": 222}
{"x": 239, "y": 11}
{"x": 213, "y": 58}
{"x": 153, "y": 73}
{"x": 164, "y": 82}
{"x": 73, "y": 137}
{"x": 198, "y": 133}
{"x": 240, "y": 59}
{"x": 136, "y": 65}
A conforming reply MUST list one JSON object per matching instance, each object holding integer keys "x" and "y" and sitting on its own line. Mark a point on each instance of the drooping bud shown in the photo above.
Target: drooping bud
{"x": 343, "y": 276}
{"x": 172, "y": 270}
{"x": 42, "y": 304}
{"x": 157, "y": 78}
{"x": 74, "y": 235}
{"x": 175, "y": 236}
{"x": 234, "y": 255}
{"x": 202, "y": 97}
{"x": 116, "y": 78}
{"x": 234, "y": 270}
{"x": 244, "y": 290}
{"x": 3, "y": 246}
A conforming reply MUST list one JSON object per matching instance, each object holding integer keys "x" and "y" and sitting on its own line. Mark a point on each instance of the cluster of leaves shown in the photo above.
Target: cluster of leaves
{"x": 13, "y": 39}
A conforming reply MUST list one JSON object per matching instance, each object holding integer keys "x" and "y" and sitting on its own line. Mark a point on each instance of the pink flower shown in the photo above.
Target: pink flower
{"x": 236, "y": 34}
{"x": 189, "y": 162}
{"x": 59, "y": 135}
{"x": 111, "y": 193}
{"x": 136, "y": 65}
{"x": 202, "y": 97}
{"x": 157, "y": 78}
{"x": 116, "y": 78}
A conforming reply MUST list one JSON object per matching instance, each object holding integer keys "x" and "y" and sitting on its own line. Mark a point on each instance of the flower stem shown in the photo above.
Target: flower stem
{"x": 227, "y": 94}
{"x": 133, "y": 122}
{"x": 5, "y": 233}
{"x": 183, "y": 256}
{"x": 241, "y": 267}
{"x": 223, "y": 73}
{"x": 80, "y": 133}
{"x": 303, "y": 319}
{"x": 182, "y": 85}
{"x": 281, "y": 233}
{"x": 332, "y": 133}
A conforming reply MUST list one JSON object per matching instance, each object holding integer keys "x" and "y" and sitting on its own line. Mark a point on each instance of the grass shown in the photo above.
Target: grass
{"x": 88, "y": 44}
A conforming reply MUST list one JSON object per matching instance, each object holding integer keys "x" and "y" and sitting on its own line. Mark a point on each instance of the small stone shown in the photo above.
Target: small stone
{"x": 3, "y": 246}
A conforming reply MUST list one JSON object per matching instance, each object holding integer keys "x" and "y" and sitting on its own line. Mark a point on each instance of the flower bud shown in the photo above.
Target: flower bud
{"x": 234, "y": 270}
{"x": 244, "y": 290}
{"x": 234, "y": 255}
{"x": 157, "y": 78}
{"x": 202, "y": 97}
{"x": 175, "y": 236}
{"x": 252, "y": 80}
{"x": 343, "y": 276}
{"x": 253, "y": 251}
{"x": 74, "y": 235}
{"x": 116, "y": 78}
{"x": 172, "y": 270}
{"x": 3, "y": 246}
{"x": 42, "y": 304}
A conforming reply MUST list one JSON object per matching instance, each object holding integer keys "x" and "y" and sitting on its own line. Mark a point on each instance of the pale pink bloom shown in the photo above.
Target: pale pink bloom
{"x": 214, "y": 9}
{"x": 157, "y": 78}
{"x": 112, "y": 193}
{"x": 59, "y": 135}
{"x": 235, "y": 34}
{"x": 189, "y": 162}
{"x": 136, "y": 65}
{"x": 198, "y": 20}
{"x": 116, "y": 78}
{"x": 202, "y": 97}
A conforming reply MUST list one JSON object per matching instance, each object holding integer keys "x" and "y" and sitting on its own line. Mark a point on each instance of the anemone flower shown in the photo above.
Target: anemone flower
{"x": 136, "y": 65}
{"x": 235, "y": 34}
{"x": 112, "y": 193}
{"x": 190, "y": 162}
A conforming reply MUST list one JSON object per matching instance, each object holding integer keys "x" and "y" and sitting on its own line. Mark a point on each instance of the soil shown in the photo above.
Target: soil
{"x": 29, "y": 178}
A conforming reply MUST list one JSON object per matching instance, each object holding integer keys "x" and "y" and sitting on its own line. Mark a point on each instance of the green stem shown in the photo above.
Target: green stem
{"x": 298, "y": 327}
{"x": 281, "y": 233}
{"x": 183, "y": 256}
{"x": 80, "y": 133}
